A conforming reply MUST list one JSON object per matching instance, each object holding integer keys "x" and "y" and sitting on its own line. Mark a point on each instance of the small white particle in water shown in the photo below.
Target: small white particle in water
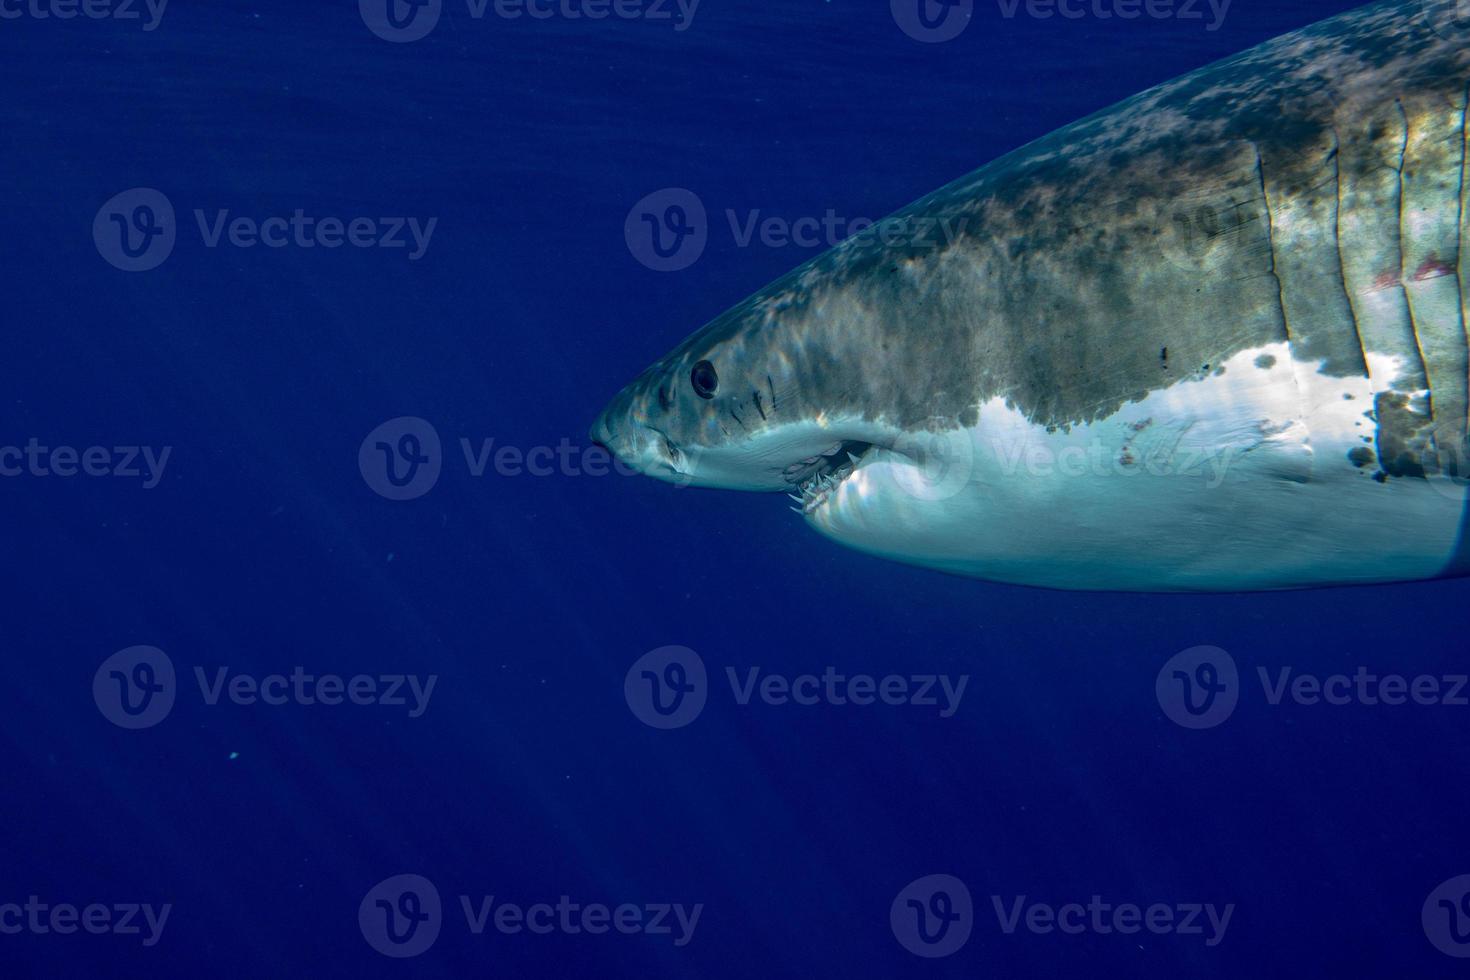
{"x": 234, "y": 755}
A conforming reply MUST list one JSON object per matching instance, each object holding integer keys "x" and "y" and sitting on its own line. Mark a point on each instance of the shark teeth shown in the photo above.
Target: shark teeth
{"x": 815, "y": 478}
{"x": 814, "y": 492}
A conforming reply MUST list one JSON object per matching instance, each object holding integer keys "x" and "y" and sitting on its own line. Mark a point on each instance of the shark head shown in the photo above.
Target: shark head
{"x": 791, "y": 391}
{"x": 805, "y": 384}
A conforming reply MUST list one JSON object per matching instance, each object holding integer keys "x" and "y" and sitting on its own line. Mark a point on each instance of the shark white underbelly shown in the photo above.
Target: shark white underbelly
{"x": 1215, "y": 484}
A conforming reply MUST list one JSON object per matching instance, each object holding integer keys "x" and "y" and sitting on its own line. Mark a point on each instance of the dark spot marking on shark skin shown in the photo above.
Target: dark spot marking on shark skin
{"x": 756, "y": 397}
{"x": 1387, "y": 279}
{"x": 1403, "y": 436}
{"x": 1265, "y": 362}
{"x": 1361, "y": 456}
{"x": 1433, "y": 268}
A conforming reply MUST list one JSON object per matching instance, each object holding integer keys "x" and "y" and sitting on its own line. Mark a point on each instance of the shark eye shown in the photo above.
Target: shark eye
{"x": 704, "y": 379}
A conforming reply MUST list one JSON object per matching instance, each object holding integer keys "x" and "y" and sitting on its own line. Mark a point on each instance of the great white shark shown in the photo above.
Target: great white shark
{"x": 1212, "y": 338}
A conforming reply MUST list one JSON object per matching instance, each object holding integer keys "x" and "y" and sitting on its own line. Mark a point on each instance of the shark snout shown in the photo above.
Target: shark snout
{"x": 640, "y": 446}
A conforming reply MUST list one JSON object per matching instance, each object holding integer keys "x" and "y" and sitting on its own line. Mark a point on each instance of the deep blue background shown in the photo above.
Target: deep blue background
{"x": 528, "y": 777}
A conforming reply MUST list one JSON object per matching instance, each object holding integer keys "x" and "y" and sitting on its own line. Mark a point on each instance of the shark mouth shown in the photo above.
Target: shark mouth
{"x": 817, "y": 477}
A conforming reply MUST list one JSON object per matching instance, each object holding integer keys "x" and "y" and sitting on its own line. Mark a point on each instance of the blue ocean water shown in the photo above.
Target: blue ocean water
{"x": 526, "y": 589}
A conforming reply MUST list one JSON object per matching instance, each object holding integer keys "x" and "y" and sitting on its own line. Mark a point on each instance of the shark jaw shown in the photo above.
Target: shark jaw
{"x": 806, "y": 460}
